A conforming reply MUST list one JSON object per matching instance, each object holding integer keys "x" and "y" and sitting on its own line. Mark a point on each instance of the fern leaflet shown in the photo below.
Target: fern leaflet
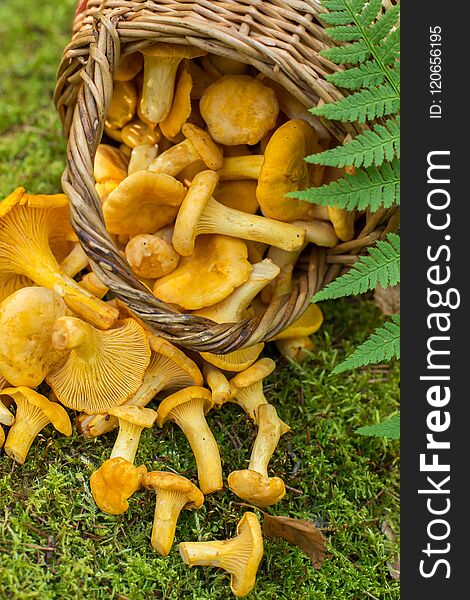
{"x": 390, "y": 428}
{"x": 366, "y": 75}
{"x": 382, "y": 345}
{"x": 370, "y": 188}
{"x": 371, "y": 147}
{"x": 362, "y": 106}
{"x": 381, "y": 266}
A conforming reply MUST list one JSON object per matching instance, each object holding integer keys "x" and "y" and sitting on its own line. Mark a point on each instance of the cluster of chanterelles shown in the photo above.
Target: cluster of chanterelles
{"x": 202, "y": 152}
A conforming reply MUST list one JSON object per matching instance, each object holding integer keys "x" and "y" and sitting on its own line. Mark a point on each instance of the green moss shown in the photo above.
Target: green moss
{"x": 55, "y": 543}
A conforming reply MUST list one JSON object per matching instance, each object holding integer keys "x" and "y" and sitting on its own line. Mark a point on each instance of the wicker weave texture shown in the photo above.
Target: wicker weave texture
{"x": 281, "y": 38}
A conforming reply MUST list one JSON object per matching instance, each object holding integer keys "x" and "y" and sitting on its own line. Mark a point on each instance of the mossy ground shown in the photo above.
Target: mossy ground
{"x": 55, "y": 543}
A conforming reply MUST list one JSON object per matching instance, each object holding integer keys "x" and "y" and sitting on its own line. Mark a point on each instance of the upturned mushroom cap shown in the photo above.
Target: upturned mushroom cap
{"x": 137, "y": 133}
{"x": 240, "y": 195}
{"x": 181, "y": 107}
{"x": 255, "y": 489}
{"x": 239, "y": 556}
{"x": 216, "y": 267}
{"x": 160, "y": 66}
{"x": 285, "y": 170}
{"x": 150, "y": 256}
{"x": 123, "y": 105}
{"x": 110, "y": 164}
{"x": 103, "y": 368}
{"x": 143, "y": 203}
{"x": 253, "y": 374}
{"x": 309, "y": 323}
{"x": 26, "y": 321}
{"x": 239, "y": 109}
{"x": 28, "y": 230}
{"x": 296, "y": 348}
{"x": 33, "y": 412}
{"x": 174, "y": 493}
{"x": 114, "y": 483}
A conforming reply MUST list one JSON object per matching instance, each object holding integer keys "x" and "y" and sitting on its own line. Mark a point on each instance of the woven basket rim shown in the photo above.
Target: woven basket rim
{"x": 82, "y": 96}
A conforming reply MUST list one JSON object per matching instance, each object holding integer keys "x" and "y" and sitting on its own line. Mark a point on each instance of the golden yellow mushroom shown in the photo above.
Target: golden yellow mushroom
{"x": 198, "y": 145}
{"x": 114, "y": 483}
{"x": 137, "y": 133}
{"x": 343, "y": 220}
{"x": 247, "y": 166}
{"x": 129, "y": 67}
{"x": 132, "y": 421}
{"x": 27, "y": 318}
{"x": 123, "y": 105}
{"x": 217, "y": 382}
{"x": 174, "y": 493}
{"x": 285, "y": 170}
{"x": 254, "y": 484}
{"x": 169, "y": 368}
{"x": 199, "y": 213}
{"x": 110, "y": 164}
{"x": 216, "y": 267}
{"x": 93, "y": 284}
{"x": 141, "y": 158}
{"x": 187, "y": 408}
{"x": 151, "y": 256}
{"x": 228, "y": 66}
{"x": 295, "y": 348}
{"x": 239, "y": 556}
{"x": 240, "y": 195}
{"x": 26, "y": 224}
{"x": 233, "y": 310}
{"x": 103, "y": 368}
{"x": 180, "y": 108}
{"x": 33, "y": 412}
{"x": 239, "y": 109}
{"x": 143, "y": 203}
{"x": 161, "y": 63}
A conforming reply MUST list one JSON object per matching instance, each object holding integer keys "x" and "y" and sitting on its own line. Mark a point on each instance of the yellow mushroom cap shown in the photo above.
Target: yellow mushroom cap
{"x": 151, "y": 256}
{"x": 114, "y": 483}
{"x": 123, "y": 105}
{"x": 129, "y": 67}
{"x": 209, "y": 152}
{"x": 240, "y": 195}
{"x": 239, "y": 556}
{"x": 6, "y": 417}
{"x": 308, "y": 323}
{"x": 137, "y": 415}
{"x": 26, "y": 320}
{"x": 143, "y": 203}
{"x": 254, "y": 488}
{"x": 228, "y": 66}
{"x": 253, "y": 374}
{"x": 181, "y": 107}
{"x": 162, "y": 481}
{"x": 239, "y": 109}
{"x": 103, "y": 368}
{"x": 110, "y": 164}
{"x": 216, "y": 267}
{"x": 285, "y": 170}
{"x": 177, "y": 399}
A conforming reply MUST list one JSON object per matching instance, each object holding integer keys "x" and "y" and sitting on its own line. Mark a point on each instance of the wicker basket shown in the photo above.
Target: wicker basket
{"x": 282, "y": 39}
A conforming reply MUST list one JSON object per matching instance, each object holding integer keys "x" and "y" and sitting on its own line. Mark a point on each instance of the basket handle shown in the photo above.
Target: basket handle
{"x": 195, "y": 333}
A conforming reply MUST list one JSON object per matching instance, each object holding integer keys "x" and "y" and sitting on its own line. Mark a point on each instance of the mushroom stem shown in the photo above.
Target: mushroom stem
{"x": 168, "y": 506}
{"x": 175, "y": 159}
{"x": 241, "y": 167}
{"x": 190, "y": 418}
{"x": 269, "y": 433}
{"x": 71, "y": 333}
{"x": 207, "y": 554}
{"x": 75, "y": 261}
{"x": 127, "y": 441}
{"x": 158, "y": 86}
{"x": 30, "y": 420}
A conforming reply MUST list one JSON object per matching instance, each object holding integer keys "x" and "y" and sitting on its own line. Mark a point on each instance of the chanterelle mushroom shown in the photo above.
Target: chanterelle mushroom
{"x": 26, "y": 320}
{"x": 26, "y": 224}
{"x": 198, "y": 145}
{"x": 232, "y": 310}
{"x": 174, "y": 493}
{"x": 216, "y": 267}
{"x": 239, "y": 556}
{"x": 103, "y": 368}
{"x": 151, "y": 256}
{"x": 132, "y": 421}
{"x": 285, "y": 170}
{"x": 114, "y": 483}
{"x": 123, "y": 105}
{"x": 181, "y": 106}
{"x": 200, "y": 213}
{"x": 33, "y": 412}
{"x": 161, "y": 62}
{"x": 254, "y": 484}
{"x": 239, "y": 109}
{"x": 187, "y": 409}
{"x": 169, "y": 368}
{"x": 143, "y": 203}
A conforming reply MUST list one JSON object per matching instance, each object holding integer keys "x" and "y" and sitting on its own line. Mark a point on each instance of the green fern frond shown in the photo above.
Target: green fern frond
{"x": 390, "y": 428}
{"x": 389, "y": 49}
{"x": 350, "y": 54}
{"x": 366, "y": 75}
{"x": 382, "y": 27}
{"x": 362, "y": 106}
{"x": 345, "y": 33}
{"x": 382, "y": 345}
{"x": 381, "y": 266}
{"x": 369, "y": 148}
{"x": 370, "y": 11}
{"x": 370, "y": 188}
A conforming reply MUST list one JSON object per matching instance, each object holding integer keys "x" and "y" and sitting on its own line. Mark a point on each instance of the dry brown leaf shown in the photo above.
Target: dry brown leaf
{"x": 299, "y": 532}
{"x": 388, "y": 299}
